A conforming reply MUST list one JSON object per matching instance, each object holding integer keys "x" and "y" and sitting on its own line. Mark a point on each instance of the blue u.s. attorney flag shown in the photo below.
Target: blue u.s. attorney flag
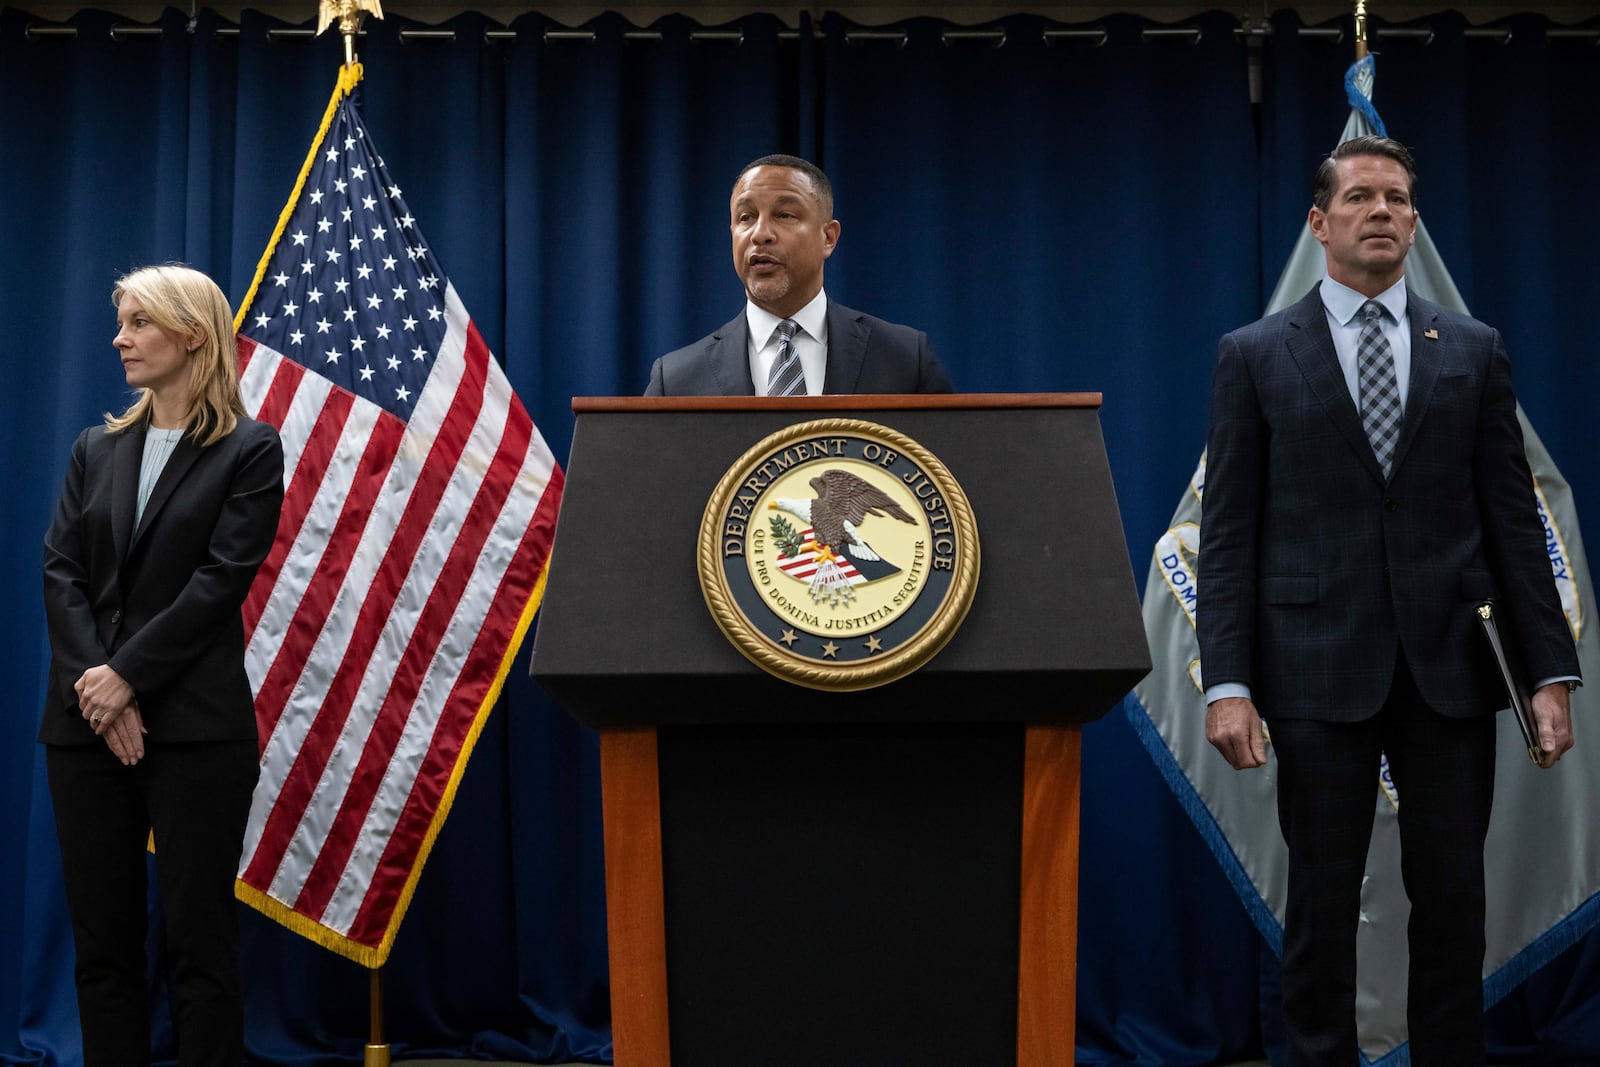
{"x": 419, "y": 508}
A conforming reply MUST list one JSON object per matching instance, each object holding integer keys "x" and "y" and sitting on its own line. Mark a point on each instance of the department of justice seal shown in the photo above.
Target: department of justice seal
{"x": 838, "y": 554}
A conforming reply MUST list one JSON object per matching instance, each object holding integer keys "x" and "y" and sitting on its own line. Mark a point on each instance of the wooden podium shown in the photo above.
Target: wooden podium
{"x": 879, "y": 877}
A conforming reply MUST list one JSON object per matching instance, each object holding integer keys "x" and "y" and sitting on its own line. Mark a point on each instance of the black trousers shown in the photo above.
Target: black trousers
{"x": 1443, "y": 771}
{"x": 195, "y": 799}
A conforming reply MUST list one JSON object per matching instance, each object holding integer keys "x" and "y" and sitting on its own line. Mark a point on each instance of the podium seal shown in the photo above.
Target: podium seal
{"x": 838, "y": 554}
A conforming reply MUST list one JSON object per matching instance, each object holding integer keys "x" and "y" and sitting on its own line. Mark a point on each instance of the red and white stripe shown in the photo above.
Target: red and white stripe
{"x": 804, "y": 565}
{"x": 407, "y": 554}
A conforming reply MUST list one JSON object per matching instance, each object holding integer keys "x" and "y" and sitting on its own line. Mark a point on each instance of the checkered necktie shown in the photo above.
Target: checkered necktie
{"x": 1380, "y": 392}
{"x": 787, "y": 377}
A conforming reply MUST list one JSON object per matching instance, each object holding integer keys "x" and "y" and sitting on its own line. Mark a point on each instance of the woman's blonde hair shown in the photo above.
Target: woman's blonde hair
{"x": 187, "y": 304}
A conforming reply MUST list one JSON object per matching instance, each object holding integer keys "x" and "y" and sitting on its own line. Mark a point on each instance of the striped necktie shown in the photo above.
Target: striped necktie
{"x": 787, "y": 377}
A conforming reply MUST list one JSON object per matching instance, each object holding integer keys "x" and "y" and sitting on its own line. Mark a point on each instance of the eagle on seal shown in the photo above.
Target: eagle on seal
{"x": 842, "y": 503}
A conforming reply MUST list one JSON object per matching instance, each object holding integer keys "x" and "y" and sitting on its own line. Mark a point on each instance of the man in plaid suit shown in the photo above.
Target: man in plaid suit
{"x": 1365, "y": 487}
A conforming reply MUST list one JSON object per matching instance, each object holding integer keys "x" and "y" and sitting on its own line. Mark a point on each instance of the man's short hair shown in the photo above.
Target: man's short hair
{"x": 821, "y": 187}
{"x": 1323, "y": 186}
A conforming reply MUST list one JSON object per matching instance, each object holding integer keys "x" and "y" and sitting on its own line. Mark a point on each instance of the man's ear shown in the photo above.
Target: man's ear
{"x": 1317, "y": 219}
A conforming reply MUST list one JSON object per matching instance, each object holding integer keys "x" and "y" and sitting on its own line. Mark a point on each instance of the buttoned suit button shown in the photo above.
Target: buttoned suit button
{"x": 116, "y": 617}
{"x": 1391, "y": 504}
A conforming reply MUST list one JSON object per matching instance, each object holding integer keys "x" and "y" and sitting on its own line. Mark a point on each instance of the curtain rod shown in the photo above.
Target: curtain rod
{"x": 994, "y": 38}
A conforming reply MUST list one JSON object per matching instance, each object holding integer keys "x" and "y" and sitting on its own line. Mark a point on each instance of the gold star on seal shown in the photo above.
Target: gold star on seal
{"x": 789, "y": 637}
{"x": 830, "y": 650}
{"x": 873, "y": 644}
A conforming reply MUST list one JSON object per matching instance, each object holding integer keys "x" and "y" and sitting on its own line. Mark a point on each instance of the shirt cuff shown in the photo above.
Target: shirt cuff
{"x": 1226, "y": 689}
{"x": 1559, "y": 678}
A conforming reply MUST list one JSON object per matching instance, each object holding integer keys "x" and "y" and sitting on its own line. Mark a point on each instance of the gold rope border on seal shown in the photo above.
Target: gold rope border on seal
{"x": 772, "y": 658}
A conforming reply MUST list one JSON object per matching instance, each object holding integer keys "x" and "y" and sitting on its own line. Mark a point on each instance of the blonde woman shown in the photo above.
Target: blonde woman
{"x": 166, "y": 512}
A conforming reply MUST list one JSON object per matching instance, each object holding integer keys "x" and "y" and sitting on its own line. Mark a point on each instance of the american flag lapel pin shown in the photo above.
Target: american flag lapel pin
{"x": 1432, "y": 335}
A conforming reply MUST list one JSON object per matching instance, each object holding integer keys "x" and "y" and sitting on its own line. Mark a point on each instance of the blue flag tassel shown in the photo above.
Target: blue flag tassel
{"x": 1358, "y": 100}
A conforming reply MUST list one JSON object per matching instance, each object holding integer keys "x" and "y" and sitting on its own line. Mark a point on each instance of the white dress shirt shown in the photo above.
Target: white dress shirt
{"x": 810, "y": 341}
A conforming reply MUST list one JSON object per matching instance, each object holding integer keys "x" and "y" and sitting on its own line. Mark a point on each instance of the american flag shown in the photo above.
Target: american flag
{"x": 803, "y": 564}
{"x": 419, "y": 508}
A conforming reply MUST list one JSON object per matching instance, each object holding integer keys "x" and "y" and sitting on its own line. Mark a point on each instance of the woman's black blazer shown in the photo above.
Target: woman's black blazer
{"x": 161, "y": 602}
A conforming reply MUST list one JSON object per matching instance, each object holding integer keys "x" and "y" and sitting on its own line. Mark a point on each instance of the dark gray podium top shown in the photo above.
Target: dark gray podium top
{"x": 1054, "y": 633}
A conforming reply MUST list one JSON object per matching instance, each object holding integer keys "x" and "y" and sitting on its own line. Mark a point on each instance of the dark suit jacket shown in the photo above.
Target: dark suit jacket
{"x": 865, "y": 355}
{"x": 1314, "y": 571}
{"x": 160, "y": 603}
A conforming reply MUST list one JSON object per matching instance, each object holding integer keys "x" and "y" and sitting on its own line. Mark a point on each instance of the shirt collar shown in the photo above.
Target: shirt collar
{"x": 813, "y": 319}
{"x": 1344, "y": 303}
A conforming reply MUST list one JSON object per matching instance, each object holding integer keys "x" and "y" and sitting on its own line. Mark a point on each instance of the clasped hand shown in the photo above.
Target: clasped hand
{"x": 109, "y": 703}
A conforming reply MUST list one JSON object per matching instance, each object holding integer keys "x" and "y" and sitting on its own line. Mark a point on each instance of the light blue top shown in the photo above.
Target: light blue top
{"x": 158, "y": 447}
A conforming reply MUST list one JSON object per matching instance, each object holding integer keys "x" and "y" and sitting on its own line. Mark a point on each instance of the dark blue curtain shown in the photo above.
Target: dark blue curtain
{"x": 1060, "y": 213}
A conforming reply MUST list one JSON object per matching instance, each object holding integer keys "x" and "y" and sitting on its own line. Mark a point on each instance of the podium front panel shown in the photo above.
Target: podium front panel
{"x": 842, "y": 894}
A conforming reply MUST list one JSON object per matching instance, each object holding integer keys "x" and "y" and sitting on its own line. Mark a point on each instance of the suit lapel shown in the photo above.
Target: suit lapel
{"x": 847, "y": 350}
{"x": 127, "y": 449}
{"x": 183, "y": 457}
{"x": 1426, "y": 359}
{"x": 728, "y": 356}
{"x": 1310, "y": 345}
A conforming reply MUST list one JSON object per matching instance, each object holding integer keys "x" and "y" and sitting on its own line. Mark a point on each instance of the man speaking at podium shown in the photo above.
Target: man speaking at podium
{"x": 790, "y": 339}
{"x": 1366, "y": 485}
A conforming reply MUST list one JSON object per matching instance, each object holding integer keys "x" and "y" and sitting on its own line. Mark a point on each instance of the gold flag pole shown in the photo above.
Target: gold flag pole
{"x": 1361, "y": 29}
{"x": 349, "y": 13}
{"x": 377, "y": 1051}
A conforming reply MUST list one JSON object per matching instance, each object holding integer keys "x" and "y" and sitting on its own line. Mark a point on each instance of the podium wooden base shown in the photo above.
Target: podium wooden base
{"x": 1046, "y": 907}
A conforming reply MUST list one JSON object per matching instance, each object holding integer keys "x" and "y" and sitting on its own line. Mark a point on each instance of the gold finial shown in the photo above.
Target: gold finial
{"x": 348, "y": 12}
{"x": 1361, "y": 28}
